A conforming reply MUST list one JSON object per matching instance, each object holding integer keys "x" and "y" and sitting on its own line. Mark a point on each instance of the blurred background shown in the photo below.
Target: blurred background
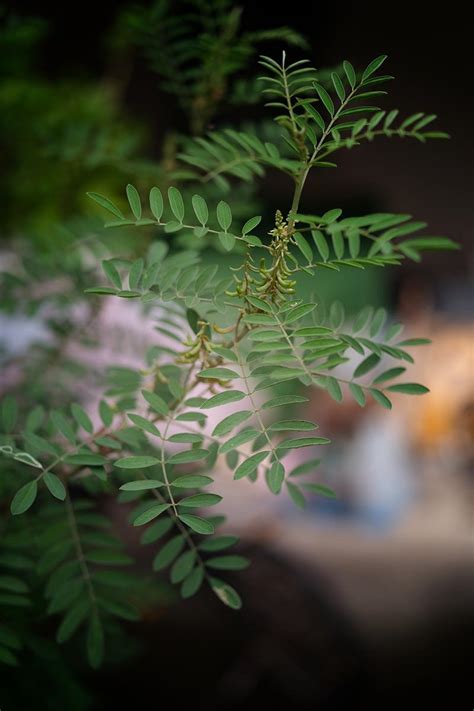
{"x": 366, "y": 601}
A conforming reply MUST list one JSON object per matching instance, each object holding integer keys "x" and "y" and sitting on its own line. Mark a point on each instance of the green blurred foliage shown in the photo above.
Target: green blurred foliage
{"x": 56, "y": 138}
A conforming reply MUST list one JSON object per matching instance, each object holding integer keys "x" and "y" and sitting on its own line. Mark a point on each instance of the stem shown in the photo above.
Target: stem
{"x": 163, "y": 467}
{"x": 294, "y": 127}
{"x": 301, "y": 180}
{"x": 79, "y": 550}
{"x": 291, "y": 344}
{"x": 182, "y": 528}
{"x": 256, "y": 409}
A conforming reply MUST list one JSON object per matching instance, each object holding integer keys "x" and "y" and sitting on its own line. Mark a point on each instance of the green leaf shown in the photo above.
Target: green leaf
{"x": 354, "y": 243}
{"x": 250, "y": 225}
{"x": 55, "y": 486}
{"x": 248, "y": 466}
{"x": 367, "y": 365}
{"x": 61, "y": 424}
{"x": 73, "y": 618}
{"x": 357, "y": 393}
{"x": 350, "y": 73}
{"x": 150, "y": 514}
{"x": 325, "y": 98}
{"x": 127, "y": 294}
{"x": 134, "y": 201}
{"x": 35, "y": 418}
{"x": 14, "y": 600}
{"x": 144, "y": 424}
{"x": 135, "y": 273}
{"x": 303, "y": 246}
{"x": 422, "y": 243}
{"x": 389, "y": 375}
{"x": 260, "y": 320}
{"x": 282, "y": 400}
{"x": 275, "y": 477}
{"x": 377, "y": 322}
{"x": 223, "y": 399}
{"x": 408, "y": 388}
{"x": 12, "y": 584}
{"x": 227, "y": 240}
{"x": 141, "y": 485}
{"x": 302, "y": 442}
{"x": 108, "y": 556}
{"x": 156, "y": 531}
{"x": 321, "y": 244}
{"x": 315, "y": 115}
{"x": 415, "y": 342}
{"x": 136, "y": 462}
{"x": 176, "y": 203}
{"x": 120, "y": 609}
{"x": 296, "y": 494}
{"x": 231, "y": 421}
{"x": 252, "y": 240}
{"x": 228, "y": 562}
{"x": 168, "y": 553}
{"x": 192, "y": 481}
{"x": 244, "y": 436}
{"x": 312, "y": 331}
{"x": 338, "y": 244}
{"x": 284, "y": 373}
{"x": 373, "y": 66}
{"x": 107, "y": 204}
{"x": 82, "y": 418}
{"x": 9, "y": 638}
{"x": 182, "y": 567}
{"x": 320, "y": 490}
{"x": 106, "y": 413}
{"x": 224, "y": 215}
{"x": 305, "y": 468}
{"x": 287, "y": 425}
{"x": 7, "y": 657}
{"x": 226, "y": 593}
{"x": 380, "y": 398}
{"x": 186, "y": 438}
{"x": 331, "y": 215}
{"x": 9, "y": 413}
{"x": 362, "y": 318}
{"x": 259, "y": 334}
{"x": 95, "y": 642}
{"x": 333, "y": 388}
{"x": 218, "y": 543}
{"x": 200, "y": 209}
{"x": 85, "y": 459}
{"x": 32, "y": 440}
{"x": 156, "y": 203}
{"x": 192, "y": 583}
{"x": 338, "y": 86}
{"x": 200, "y": 500}
{"x": 218, "y": 374}
{"x": 225, "y": 353}
{"x": 298, "y": 312}
{"x": 197, "y": 524}
{"x": 260, "y": 304}
{"x": 394, "y": 330}
{"x": 336, "y": 315}
{"x": 156, "y": 402}
{"x": 111, "y": 272}
{"x": 189, "y": 455}
{"x": 24, "y": 498}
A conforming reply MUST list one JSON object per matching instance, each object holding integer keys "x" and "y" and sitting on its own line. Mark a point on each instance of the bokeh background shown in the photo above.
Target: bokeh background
{"x": 363, "y": 602}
